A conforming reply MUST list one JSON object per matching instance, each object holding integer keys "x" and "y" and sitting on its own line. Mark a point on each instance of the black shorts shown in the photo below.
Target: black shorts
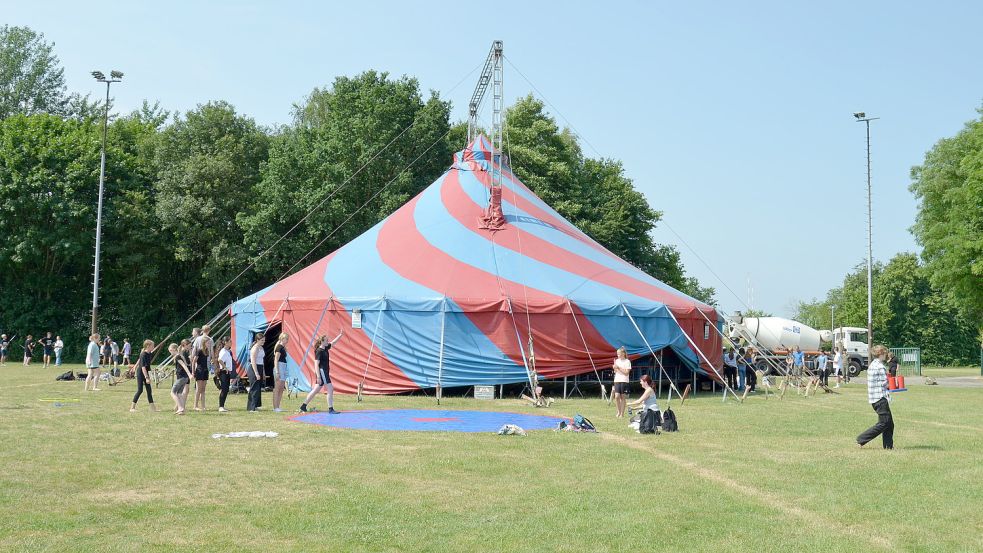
{"x": 49, "y": 352}
{"x": 325, "y": 376}
{"x": 201, "y": 374}
{"x": 621, "y": 387}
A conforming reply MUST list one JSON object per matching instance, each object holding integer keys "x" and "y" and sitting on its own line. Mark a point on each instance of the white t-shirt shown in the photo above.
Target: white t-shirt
{"x": 622, "y": 364}
{"x": 226, "y": 358}
{"x": 59, "y": 345}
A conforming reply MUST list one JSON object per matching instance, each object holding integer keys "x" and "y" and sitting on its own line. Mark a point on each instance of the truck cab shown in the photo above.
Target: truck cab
{"x": 854, "y": 342}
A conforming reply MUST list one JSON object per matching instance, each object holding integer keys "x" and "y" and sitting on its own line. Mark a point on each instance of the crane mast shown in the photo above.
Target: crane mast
{"x": 491, "y": 74}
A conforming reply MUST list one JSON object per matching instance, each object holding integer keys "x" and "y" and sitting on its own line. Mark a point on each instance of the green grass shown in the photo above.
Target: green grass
{"x": 945, "y": 372}
{"x": 764, "y": 476}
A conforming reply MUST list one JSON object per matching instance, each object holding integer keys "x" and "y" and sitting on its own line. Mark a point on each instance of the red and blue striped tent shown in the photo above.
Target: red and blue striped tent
{"x": 444, "y": 302}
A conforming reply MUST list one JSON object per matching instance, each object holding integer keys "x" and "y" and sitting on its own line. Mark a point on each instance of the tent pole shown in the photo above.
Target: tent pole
{"x": 440, "y": 358}
{"x": 672, "y": 386}
{"x": 756, "y": 343}
{"x": 522, "y": 350}
{"x": 368, "y": 359}
{"x": 586, "y": 349}
{"x": 699, "y": 351}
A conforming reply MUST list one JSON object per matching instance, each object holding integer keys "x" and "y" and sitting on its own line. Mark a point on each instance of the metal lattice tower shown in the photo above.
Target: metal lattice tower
{"x": 491, "y": 74}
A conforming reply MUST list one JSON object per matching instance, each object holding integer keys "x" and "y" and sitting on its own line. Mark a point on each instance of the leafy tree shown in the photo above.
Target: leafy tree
{"x": 949, "y": 225}
{"x": 31, "y": 80}
{"x": 908, "y": 311}
{"x": 338, "y": 136}
{"x": 47, "y": 214}
{"x": 208, "y": 163}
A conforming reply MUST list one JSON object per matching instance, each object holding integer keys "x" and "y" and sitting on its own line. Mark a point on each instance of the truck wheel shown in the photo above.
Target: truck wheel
{"x": 853, "y": 369}
{"x": 763, "y": 366}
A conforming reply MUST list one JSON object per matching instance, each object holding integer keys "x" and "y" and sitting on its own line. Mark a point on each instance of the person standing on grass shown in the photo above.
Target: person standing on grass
{"x": 143, "y": 376}
{"x": 59, "y": 347}
{"x": 4, "y": 346}
{"x": 256, "y": 374}
{"x": 114, "y": 353}
{"x": 107, "y": 350}
{"x": 28, "y": 350}
{"x": 182, "y": 379}
{"x": 741, "y": 370}
{"x": 730, "y": 368}
{"x": 622, "y": 374}
{"x": 201, "y": 353}
{"x": 224, "y": 370}
{"x": 323, "y": 379}
{"x": 838, "y": 365}
{"x": 127, "y": 350}
{"x": 798, "y": 361}
{"x": 48, "y": 349}
{"x": 279, "y": 370}
{"x": 892, "y": 364}
{"x": 821, "y": 362}
{"x": 92, "y": 363}
{"x": 880, "y": 399}
{"x": 752, "y": 375}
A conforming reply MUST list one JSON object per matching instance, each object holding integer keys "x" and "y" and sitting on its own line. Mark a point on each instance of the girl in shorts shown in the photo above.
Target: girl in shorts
{"x": 622, "y": 372}
{"x": 323, "y": 378}
{"x": 182, "y": 379}
{"x": 279, "y": 370}
{"x": 199, "y": 364}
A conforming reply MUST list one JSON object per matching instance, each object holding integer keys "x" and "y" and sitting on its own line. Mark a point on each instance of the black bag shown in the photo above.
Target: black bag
{"x": 650, "y": 422}
{"x": 69, "y": 375}
{"x": 669, "y": 421}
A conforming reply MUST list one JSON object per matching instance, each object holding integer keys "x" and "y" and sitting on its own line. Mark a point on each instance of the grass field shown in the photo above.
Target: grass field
{"x": 764, "y": 476}
{"x": 945, "y": 372}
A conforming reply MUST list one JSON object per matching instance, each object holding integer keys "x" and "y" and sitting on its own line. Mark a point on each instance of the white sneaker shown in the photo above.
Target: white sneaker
{"x": 223, "y": 410}
{"x": 837, "y": 386}
{"x": 278, "y": 410}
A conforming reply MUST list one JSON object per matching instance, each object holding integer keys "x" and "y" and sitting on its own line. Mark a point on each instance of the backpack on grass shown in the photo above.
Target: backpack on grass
{"x": 583, "y": 424}
{"x": 669, "y": 423}
{"x": 68, "y": 375}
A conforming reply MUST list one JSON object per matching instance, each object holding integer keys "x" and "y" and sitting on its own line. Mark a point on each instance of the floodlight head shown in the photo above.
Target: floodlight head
{"x": 116, "y": 74}
{"x": 99, "y": 75}
{"x": 860, "y": 115}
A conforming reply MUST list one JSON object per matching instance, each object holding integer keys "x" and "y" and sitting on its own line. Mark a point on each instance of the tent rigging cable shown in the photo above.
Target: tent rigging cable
{"x": 596, "y": 151}
{"x": 321, "y": 203}
{"x": 664, "y": 222}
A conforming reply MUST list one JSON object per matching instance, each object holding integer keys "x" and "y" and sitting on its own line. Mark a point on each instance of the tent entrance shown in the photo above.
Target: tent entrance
{"x": 272, "y": 333}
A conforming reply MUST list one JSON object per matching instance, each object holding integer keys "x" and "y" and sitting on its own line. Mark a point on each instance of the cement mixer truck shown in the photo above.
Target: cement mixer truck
{"x": 774, "y": 337}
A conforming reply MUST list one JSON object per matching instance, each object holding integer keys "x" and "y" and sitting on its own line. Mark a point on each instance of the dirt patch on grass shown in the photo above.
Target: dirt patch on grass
{"x": 806, "y": 517}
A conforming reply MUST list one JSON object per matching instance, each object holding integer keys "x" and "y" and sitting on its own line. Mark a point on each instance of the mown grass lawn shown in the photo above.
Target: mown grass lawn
{"x": 767, "y": 475}
{"x": 945, "y": 372}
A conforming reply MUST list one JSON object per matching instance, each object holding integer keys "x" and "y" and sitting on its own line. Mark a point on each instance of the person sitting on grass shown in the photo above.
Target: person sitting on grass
{"x": 648, "y": 402}
{"x": 321, "y": 347}
{"x": 182, "y": 379}
{"x": 143, "y": 376}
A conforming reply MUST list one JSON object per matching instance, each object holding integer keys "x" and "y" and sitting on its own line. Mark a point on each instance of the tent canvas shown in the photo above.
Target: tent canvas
{"x": 445, "y": 302}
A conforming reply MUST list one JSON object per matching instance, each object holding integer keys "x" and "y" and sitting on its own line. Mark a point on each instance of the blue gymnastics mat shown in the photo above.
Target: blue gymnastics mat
{"x": 429, "y": 420}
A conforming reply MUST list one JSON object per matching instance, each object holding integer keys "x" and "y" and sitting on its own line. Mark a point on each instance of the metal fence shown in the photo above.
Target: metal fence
{"x": 909, "y": 361}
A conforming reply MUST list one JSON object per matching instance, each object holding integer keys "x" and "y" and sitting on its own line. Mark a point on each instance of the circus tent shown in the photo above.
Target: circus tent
{"x": 431, "y": 297}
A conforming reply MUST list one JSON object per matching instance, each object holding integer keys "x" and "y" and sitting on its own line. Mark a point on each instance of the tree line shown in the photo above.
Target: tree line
{"x": 933, "y": 301}
{"x": 192, "y": 198}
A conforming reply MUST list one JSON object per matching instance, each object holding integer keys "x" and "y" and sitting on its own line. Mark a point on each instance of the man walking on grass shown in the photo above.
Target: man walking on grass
{"x": 880, "y": 399}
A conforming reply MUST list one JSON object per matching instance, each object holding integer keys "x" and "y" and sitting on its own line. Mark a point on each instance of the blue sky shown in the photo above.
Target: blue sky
{"x": 734, "y": 119}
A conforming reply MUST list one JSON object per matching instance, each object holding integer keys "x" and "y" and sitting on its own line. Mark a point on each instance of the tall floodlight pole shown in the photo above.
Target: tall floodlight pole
{"x": 861, "y": 117}
{"x": 114, "y": 77}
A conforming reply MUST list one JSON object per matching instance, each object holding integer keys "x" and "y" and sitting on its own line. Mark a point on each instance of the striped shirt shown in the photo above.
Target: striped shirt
{"x": 876, "y": 381}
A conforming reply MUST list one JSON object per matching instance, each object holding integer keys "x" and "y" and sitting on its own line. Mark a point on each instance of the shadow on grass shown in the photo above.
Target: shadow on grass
{"x": 926, "y": 447}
